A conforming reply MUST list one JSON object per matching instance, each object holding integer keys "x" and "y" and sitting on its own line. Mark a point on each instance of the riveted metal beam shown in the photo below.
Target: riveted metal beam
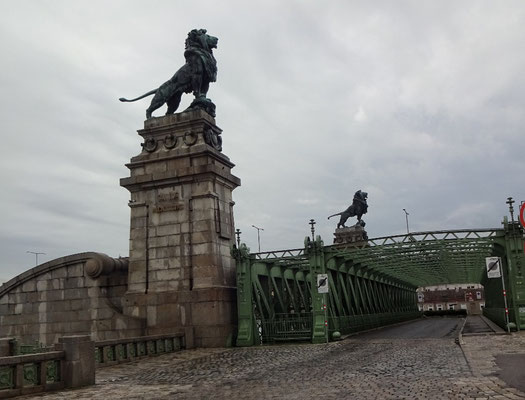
{"x": 370, "y": 285}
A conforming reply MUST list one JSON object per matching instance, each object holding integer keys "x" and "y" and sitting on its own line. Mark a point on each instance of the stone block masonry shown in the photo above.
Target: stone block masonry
{"x": 80, "y": 294}
{"x": 181, "y": 274}
{"x": 79, "y": 363}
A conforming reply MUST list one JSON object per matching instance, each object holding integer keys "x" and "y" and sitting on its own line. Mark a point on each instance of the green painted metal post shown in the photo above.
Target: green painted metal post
{"x": 317, "y": 266}
{"x": 325, "y": 307}
{"x": 505, "y": 298}
{"x": 514, "y": 243}
{"x": 247, "y": 330}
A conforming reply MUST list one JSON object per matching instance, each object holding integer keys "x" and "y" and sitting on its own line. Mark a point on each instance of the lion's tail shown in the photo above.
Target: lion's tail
{"x": 334, "y": 215}
{"x": 140, "y": 97}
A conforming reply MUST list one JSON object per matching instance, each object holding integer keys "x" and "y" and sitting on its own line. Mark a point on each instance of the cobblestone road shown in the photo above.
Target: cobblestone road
{"x": 356, "y": 368}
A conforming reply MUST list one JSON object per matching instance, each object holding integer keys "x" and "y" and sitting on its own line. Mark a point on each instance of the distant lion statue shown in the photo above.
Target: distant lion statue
{"x": 194, "y": 76}
{"x": 358, "y": 208}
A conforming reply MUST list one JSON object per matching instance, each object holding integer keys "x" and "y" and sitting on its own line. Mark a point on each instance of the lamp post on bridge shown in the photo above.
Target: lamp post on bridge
{"x": 510, "y": 202}
{"x": 258, "y": 236}
{"x": 406, "y": 216}
{"x": 238, "y": 234}
{"x": 312, "y": 229}
{"x": 36, "y": 253}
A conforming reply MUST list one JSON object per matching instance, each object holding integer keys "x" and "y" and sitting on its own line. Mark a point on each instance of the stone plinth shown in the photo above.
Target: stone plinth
{"x": 181, "y": 274}
{"x": 6, "y": 347}
{"x": 351, "y": 235}
{"x": 78, "y": 368}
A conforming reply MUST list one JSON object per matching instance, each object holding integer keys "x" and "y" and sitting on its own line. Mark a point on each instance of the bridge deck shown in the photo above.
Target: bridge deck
{"x": 429, "y": 328}
{"x": 383, "y": 368}
{"x": 323, "y": 292}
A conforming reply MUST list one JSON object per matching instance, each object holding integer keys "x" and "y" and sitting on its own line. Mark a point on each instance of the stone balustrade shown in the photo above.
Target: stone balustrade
{"x": 32, "y": 373}
{"x": 70, "y": 365}
{"x": 72, "y": 361}
{"x": 110, "y": 352}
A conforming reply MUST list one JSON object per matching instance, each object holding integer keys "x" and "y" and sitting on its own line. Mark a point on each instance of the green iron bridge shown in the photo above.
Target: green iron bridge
{"x": 371, "y": 284}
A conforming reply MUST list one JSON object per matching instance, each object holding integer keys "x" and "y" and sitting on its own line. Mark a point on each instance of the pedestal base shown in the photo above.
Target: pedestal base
{"x": 207, "y": 317}
{"x": 352, "y": 235}
{"x": 181, "y": 275}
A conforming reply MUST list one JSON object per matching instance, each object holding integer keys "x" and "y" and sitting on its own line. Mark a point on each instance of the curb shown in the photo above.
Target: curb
{"x": 459, "y": 339}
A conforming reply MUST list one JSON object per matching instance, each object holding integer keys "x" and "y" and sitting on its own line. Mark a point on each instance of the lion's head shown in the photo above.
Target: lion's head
{"x": 200, "y": 39}
{"x": 360, "y": 195}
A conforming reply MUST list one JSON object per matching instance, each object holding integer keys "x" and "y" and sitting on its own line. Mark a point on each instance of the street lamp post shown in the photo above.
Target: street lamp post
{"x": 258, "y": 236}
{"x": 238, "y": 234}
{"x": 510, "y": 202}
{"x": 406, "y": 216}
{"x": 36, "y": 253}
{"x": 312, "y": 229}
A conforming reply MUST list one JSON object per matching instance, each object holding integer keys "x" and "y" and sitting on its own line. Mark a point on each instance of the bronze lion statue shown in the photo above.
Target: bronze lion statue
{"x": 358, "y": 208}
{"x": 194, "y": 76}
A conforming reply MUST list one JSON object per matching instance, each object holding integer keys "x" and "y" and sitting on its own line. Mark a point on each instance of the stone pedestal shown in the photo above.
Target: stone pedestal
{"x": 6, "y": 347}
{"x": 181, "y": 275}
{"x": 78, "y": 368}
{"x": 355, "y": 235}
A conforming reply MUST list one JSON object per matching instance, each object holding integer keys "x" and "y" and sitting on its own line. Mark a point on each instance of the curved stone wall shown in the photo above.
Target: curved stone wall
{"x": 79, "y": 294}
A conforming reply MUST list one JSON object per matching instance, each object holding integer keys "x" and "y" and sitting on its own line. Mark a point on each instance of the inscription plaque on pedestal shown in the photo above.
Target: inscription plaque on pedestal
{"x": 168, "y": 202}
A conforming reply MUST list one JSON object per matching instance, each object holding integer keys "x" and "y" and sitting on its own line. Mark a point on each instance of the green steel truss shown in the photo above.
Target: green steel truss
{"x": 371, "y": 285}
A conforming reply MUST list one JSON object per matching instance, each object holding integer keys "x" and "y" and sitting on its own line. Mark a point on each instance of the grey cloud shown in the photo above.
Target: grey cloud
{"x": 438, "y": 88}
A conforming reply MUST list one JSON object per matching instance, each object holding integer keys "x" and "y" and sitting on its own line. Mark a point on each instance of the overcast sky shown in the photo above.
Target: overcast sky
{"x": 418, "y": 103}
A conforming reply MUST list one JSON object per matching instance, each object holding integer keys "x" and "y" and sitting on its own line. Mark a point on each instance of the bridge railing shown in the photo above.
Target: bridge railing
{"x": 31, "y": 373}
{"x": 73, "y": 360}
{"x": 287, "y": 327}
{"x": 267, "y": 255}
{"x": 435, "y": 235}
{"x": 455, "y": 234}
{"x": 111, "y": 352}
{"x": 70, "y": 365}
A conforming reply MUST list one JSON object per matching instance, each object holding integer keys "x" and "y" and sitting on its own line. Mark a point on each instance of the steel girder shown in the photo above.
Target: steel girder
{"x": 370, "y": 285}
{"x": 427, "y": 258}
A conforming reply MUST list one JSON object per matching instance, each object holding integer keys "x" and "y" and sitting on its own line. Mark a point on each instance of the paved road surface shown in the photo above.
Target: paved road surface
{"x": 426, "y": 328}
{"x": 512, "y": 369}
{"x": 376, "y": 368}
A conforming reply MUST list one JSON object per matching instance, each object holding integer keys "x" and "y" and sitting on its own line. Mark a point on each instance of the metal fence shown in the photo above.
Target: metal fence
{"x": 286, "y": 327}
